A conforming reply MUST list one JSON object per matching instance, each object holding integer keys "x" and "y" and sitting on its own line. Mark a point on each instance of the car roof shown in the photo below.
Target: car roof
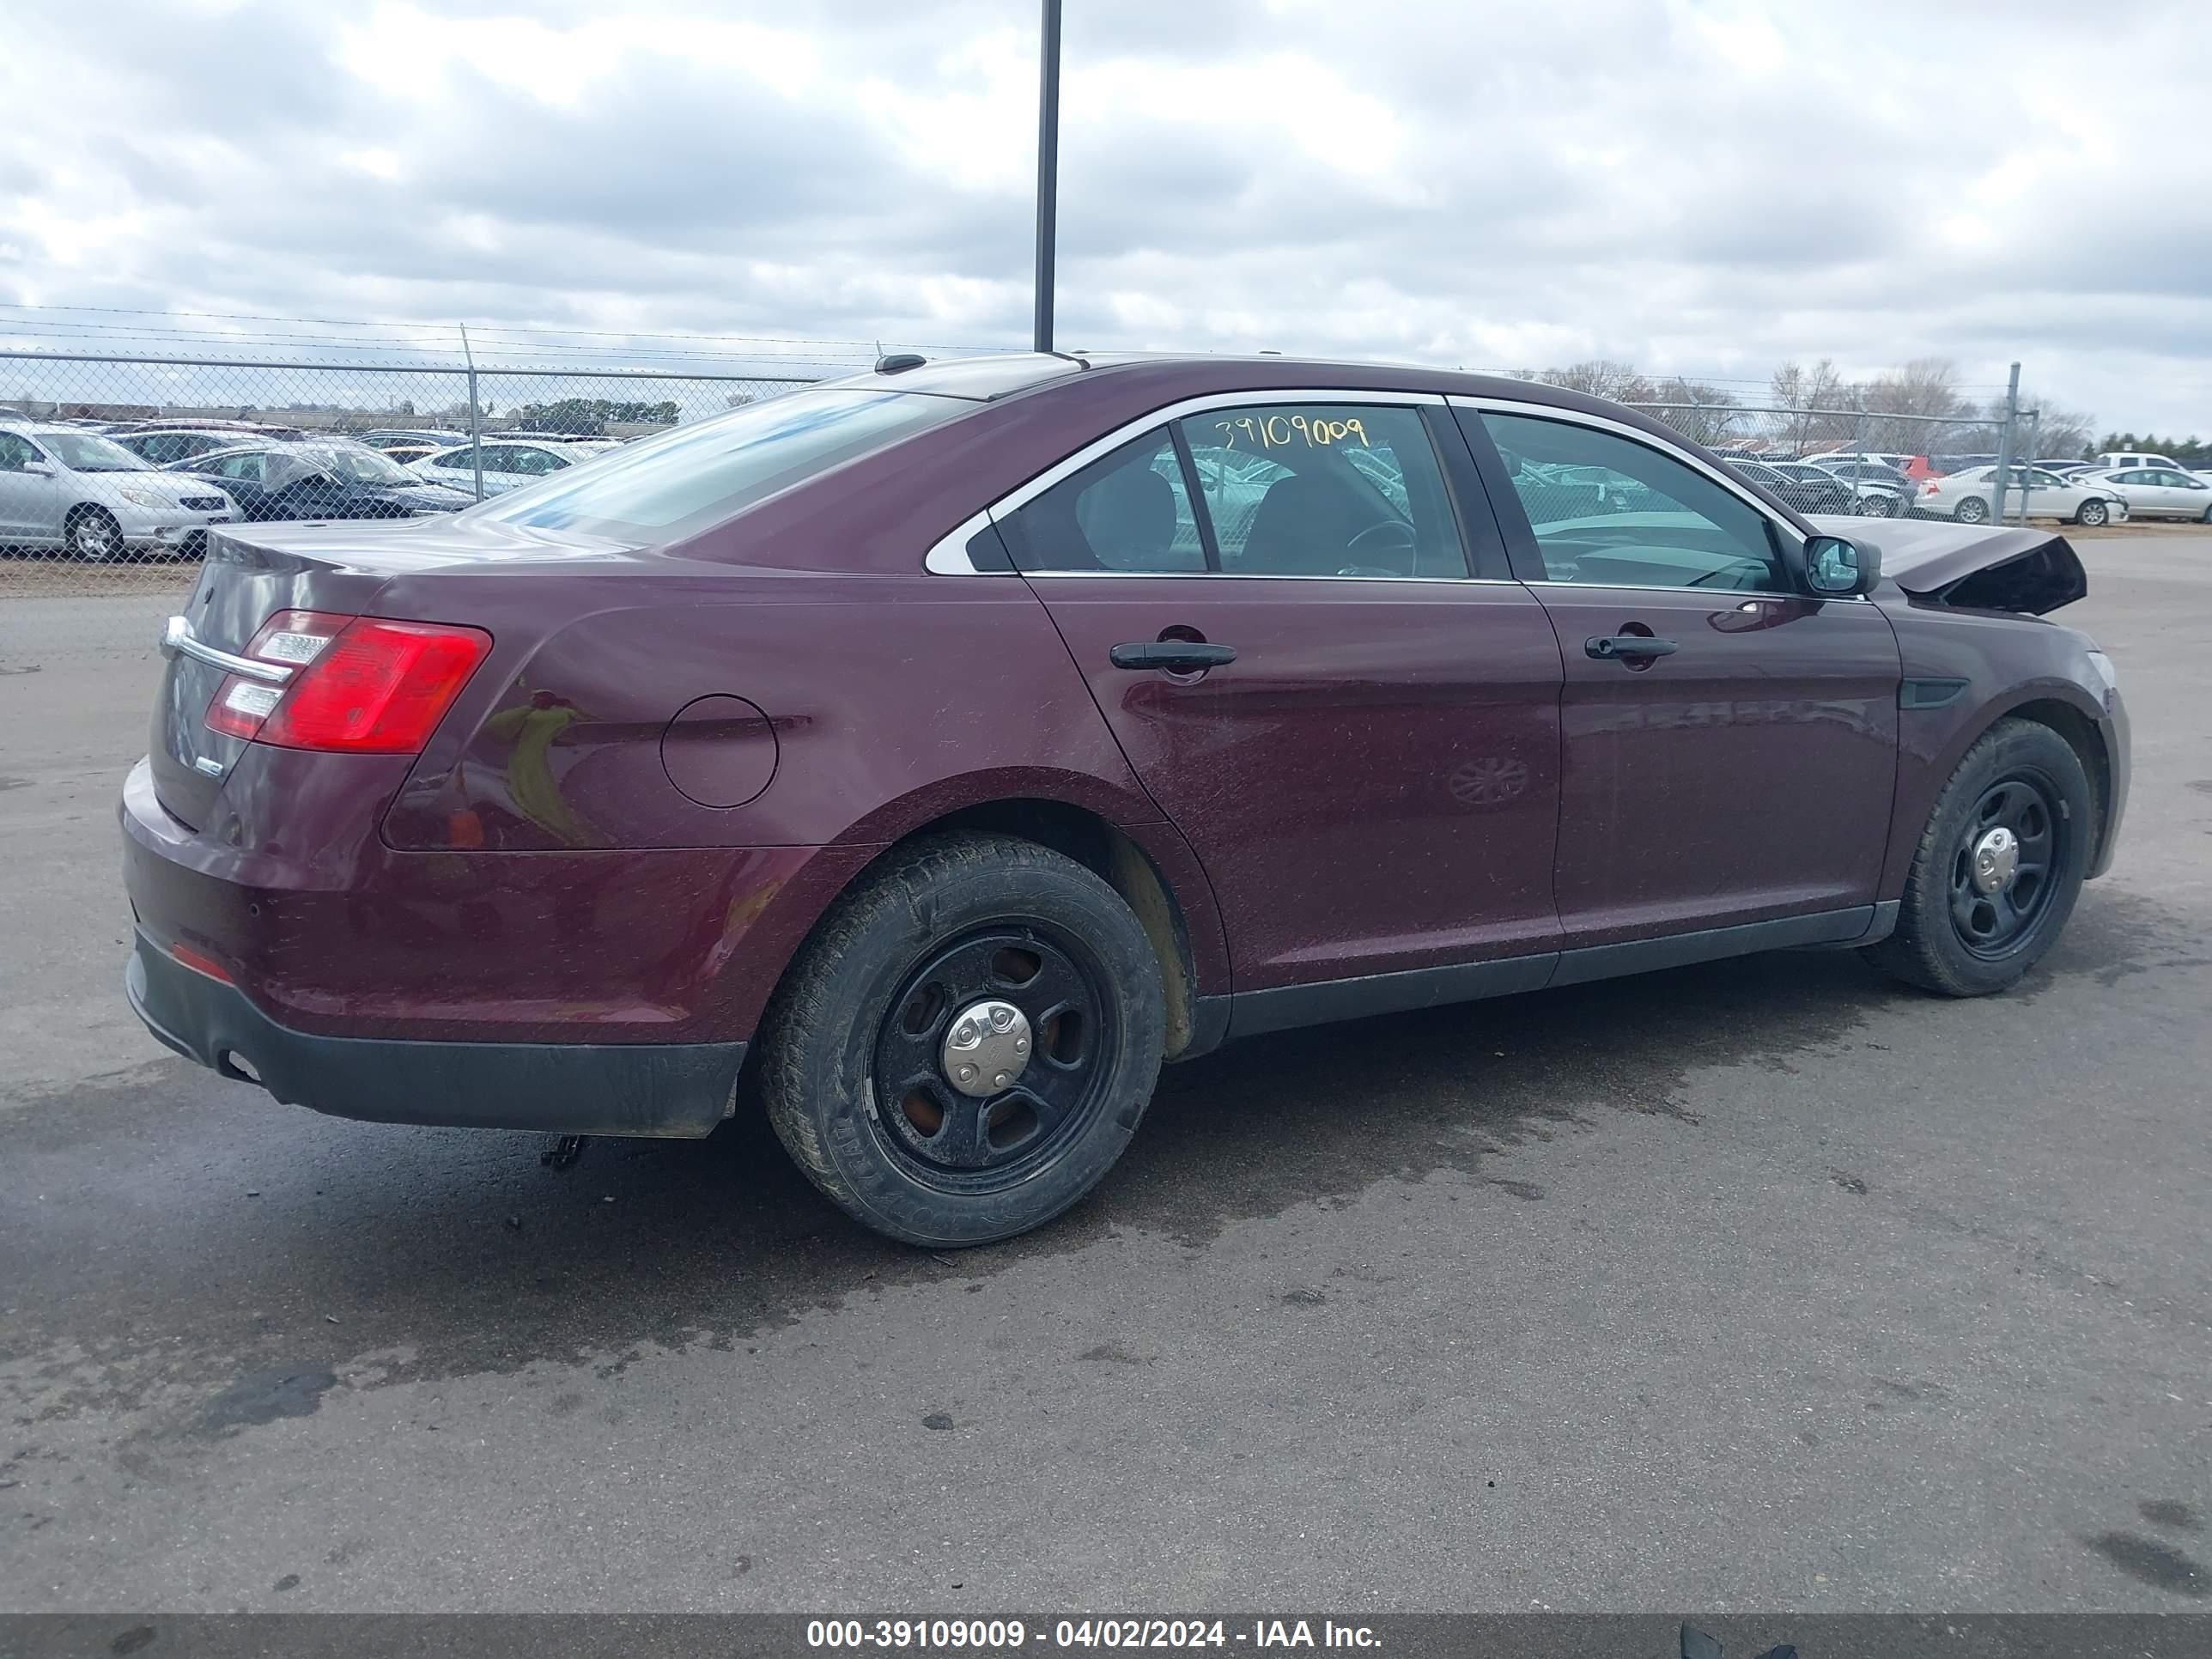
{"x": 51, "y": 429}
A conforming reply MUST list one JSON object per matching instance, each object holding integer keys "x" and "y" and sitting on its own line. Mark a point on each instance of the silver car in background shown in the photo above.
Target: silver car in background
{"x": 1968, "y": 497}
{"x": 2158, "y": 492}
{"x": 507, "y": 465}
{"x": 60, "y": 486}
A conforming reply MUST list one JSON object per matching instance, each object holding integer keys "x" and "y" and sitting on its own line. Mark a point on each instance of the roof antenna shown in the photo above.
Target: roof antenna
{"x": 896, "y": 362}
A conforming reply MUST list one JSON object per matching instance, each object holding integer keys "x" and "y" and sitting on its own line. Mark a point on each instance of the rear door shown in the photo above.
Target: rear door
{"x": 1372, "y": 778}
{"x": 1730, "y": 745}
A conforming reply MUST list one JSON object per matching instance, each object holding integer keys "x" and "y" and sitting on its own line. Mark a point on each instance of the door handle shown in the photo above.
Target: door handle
{"x": 1607, "y": 647}
{"x": 1177, "y": 656}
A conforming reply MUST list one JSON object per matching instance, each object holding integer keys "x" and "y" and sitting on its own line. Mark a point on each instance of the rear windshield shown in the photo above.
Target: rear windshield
{"x": 697, "y": 474}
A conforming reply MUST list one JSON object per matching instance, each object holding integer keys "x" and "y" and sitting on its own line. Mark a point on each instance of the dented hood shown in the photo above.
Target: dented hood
{"x": 1973, "y": 567}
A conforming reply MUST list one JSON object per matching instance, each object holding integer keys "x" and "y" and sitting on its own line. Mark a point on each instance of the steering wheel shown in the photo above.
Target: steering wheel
{"x": 1391, "y": 536}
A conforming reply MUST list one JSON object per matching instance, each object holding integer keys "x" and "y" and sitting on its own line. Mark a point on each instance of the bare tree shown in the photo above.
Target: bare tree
{"x": 1705, "y": 414}
{"x": 2062, "y": 434}
{"x": 1602, "y": 377}
{"x": 1817, "y": 395}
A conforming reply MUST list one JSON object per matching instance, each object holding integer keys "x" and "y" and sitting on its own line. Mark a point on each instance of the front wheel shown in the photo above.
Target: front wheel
{"x": 1998, "y": 867}
{"x": 94, "y": 537}
{"x": 1871, "y": 506}
{"x": 967, "y": 1044}
{"x": 2092, "y": 513}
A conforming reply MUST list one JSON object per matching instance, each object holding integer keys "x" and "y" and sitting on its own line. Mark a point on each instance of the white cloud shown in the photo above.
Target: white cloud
{"x": 1703, "y": 187}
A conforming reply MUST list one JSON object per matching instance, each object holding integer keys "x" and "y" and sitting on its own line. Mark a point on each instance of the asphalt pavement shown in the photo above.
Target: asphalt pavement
{"x": 1762, "y": 1285}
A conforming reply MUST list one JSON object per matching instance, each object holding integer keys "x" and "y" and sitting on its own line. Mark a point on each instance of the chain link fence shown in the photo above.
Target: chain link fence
{"x": 113, "y": 468}
{"x": 1867, "y": 463}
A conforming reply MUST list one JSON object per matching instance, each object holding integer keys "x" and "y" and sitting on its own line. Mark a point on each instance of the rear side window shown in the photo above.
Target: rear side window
{"x": 697, "y": 474}
{"x": 1324, "y": 490}
{"x": 1128, "y": 511}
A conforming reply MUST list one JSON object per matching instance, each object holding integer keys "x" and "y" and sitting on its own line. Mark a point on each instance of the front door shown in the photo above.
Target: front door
{"x": 1731, "y": 746}
{"x": 1372, "y": 778}
{"x": 30, "y": 502}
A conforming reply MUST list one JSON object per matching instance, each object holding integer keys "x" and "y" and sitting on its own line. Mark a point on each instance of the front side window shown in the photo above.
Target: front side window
{"x": 1611, "y": 511}
{"x": 15, "y": 453}
{"x": 1324, "y": 490}
{"x": 1128, "y": 511}
{"x": 246, "y": 469}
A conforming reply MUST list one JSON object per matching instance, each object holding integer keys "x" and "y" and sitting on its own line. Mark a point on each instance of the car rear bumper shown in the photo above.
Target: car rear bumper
{"x": 678, "y": 1090}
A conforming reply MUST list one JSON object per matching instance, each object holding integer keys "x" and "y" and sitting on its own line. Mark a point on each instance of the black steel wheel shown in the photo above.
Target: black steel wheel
{"x": 988, "y": 1056}
{"x": 967, "y": 1043}
{"x": 1998, "y": 865}
{"x": 2001, "y": 861}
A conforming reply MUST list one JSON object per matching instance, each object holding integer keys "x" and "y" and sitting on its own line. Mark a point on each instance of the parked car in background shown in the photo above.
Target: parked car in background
{"x": 425, "y": 437}
{"x": 1970, "y": 496}
{"x": 507, "y": 465}
{"x": 1805, "y": 488}
{"x": 272, "y": 482}
{"x": 161, "y": 446}
{"x": 2113, "y": 461}
{"x": 575, "y": 440}
{"x": 2160, "y": 492}
{"x": 886, "y": 742}
{"x": 407, "y": 454}
{"x": 62, "y": 486}
{"x": 1879, "y": 490}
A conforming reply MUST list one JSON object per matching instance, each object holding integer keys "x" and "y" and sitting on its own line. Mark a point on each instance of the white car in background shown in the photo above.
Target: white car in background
{"x": 2159, "y": 492}
{"x": 60, "y": 486}
{"x": 1970, "y": 497}
{"x": 507, "y": 465}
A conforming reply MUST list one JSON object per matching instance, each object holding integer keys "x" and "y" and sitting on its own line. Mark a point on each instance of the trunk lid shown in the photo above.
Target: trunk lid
{"x": 2027, "y": 568}
{"x": 252, "y": 572}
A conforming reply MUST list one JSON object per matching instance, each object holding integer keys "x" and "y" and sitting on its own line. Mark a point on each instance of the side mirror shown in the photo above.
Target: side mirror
{"x": 1836, "y": 568}
{"x": 39, "y": 469}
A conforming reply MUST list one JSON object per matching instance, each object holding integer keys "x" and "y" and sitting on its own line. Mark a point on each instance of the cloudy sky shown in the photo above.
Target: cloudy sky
{"x": 1701, "y": 186}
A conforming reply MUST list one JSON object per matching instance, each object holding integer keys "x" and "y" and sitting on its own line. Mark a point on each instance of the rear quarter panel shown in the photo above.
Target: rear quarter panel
{"x": 893, "y": 701}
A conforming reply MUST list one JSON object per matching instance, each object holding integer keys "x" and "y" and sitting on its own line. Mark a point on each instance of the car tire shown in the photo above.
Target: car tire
{"x": 1972, "y": 510}
{"x": 2092, "y": 513}
{"x": 857, "y": 1072}
{"x": 1870, "y": 506}
{"x": 93, "y": 534}
{"x": 1955, "y": 934}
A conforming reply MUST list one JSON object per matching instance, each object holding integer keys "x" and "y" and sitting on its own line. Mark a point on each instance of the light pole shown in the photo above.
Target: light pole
{"x": 1047, "y": 192}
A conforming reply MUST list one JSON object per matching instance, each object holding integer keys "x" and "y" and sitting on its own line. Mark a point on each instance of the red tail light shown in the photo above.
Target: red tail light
{"x": 359, "y": 684}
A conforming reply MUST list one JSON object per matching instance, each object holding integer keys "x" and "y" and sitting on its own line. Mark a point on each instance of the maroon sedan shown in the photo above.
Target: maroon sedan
{"x": 934, "y": 753}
